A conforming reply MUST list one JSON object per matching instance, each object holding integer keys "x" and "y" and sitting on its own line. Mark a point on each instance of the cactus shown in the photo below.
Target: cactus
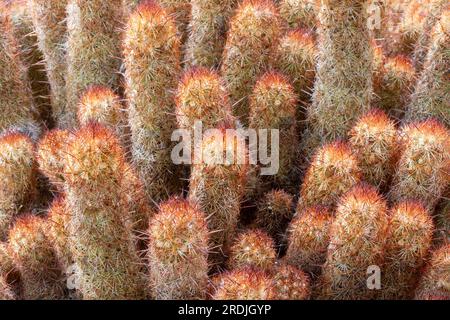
{"x": 48, "y": 19}
{"x": 102, "y": 105}
{"x": 180, "y": 11}
{"x": 274, "y": 212}
{"x": 431, "y": 95}
{"x": 374, "y": 141}
{"x": 273, "y": 106}
{"x": 33, "y": 254}
{"x": 244, "y": 285}
{"x": 291, "y": 283}
{"x": 422, "y": 171}
{"x": 207, "y": 31}
{"x": 396, "y": 83}
{"x": 343, "y": 87}
{"x": 434, "y": 284}
{"x": 178, "y": 252}
{"x": 50, "y": 154}
{"x": 308, "y": 239}
{"x": 16, "y": 106}
{"x": 217, "y": 187}
{"x": 297, "y": 59}
{"x": 409, "y": 240}
{"x": 6, "y": 292}
{"x": 299, "y": 13}
{"x": 100, "y": 228}
{"x": 93, "y": 48}
{"x": 354, "y": 249}
{"x": 18, "y": 176}
{"x": 250, "y": 50}
{"x": 333, "y": 171}
{"x": 253, "y": 249}
{"x": 152, "y": 63}
{"x": 202, "y": 96}
{"x": 412, "y": 25}
{"x": 32, "y": 57}
{"x": 57, "y": 232}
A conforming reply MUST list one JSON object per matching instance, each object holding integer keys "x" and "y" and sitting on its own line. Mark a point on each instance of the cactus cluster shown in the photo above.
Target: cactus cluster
{"x": 95, "y": 203}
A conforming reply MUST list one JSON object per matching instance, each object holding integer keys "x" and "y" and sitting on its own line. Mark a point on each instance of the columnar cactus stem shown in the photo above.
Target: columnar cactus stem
{"x": 275, "y": 210}
{"x": 180, "y": 11}
{"x": 93, "y": 48}
{"x": 299, "y": 13}
{"x": 50, "y": 154}
{"x": 18, "y": 176}
{"x": 354, "y": 249}
{"x": 431, "y": 95}
{"x": 50, "y": 27}
{"x": 178, "y": 252}
{"x": 374, "y": 142}
{"x": 152, "y": 63}
{"x": 297, "y": 60}
{"x": 102, "y": 105}
{"x": 424, "y": 164}
{"x": 343, "y": 87}
{"x": 207, "y": 31}
{"x": 396, "y": 83}
{"x": 308, "y": 239}
{"x": 273, "y": 106}
{"x": 250, "y": 50}
{"x": 291, "y": 283}
{"x": 35, "y": 258}
{"x": 434, "y": 284}
{"x": 58, "y": 233}
{"x": 333, "y": 171}
{"x": 202, "y": 96}
{"x": 253, "y": 249}
{"x": 217, "y": 186}
{"x": 100, "y": 230}
{"x": 408, "y": 242}
{"x": 16, "y": 105}
{"x": 244, "y": 285}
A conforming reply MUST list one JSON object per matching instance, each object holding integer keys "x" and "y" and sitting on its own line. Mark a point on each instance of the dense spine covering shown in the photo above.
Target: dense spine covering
{"x": 333, "y": 171}
{"x": 343, "y": 87}
{"x": 408, "y": 242}
{"x": 297, "y": 60}
{"x": 152, "y": 63}
{"x": 244, "y": 284}
{"x": 217, "y": 187}
{"x": 374, "y": 141}
{"x": 424, "y": 164}
{"x": 308, "y": 239}
{"x": 50, "y": 154}
{"x": 16, "y": 105}
{"x": 250, "y": 50}
{"x": 35, "y": 258}
{"x": 396, "y": 84}
{"x": 354, "y": 249}
{"x": 273, "y": 106}
{"x": 100, "y": 228}
{"x": 207, "y": 31}
{"x": 434, "y": 284}
{"x": 202, "y": 96}
{"x": 49, "y": 23}
{"x": 291, "y": 283}
{"x": 178, "y": 252}
{"x": 6, "y": 292}
{"x": 180, "y": 11}
{"x": 18, "y": 176}
{"x": 100, "y": 104}
{"x": 432, "y": 92}
{"x": 93, "y": 49}
{"x": 253, "y": 249}
{"x": 299, "y": 13}
{"x": 274, "y": 211}
{"x": 58, "y": 219}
